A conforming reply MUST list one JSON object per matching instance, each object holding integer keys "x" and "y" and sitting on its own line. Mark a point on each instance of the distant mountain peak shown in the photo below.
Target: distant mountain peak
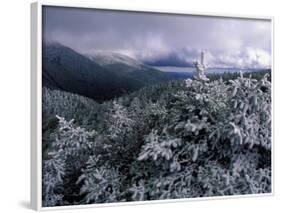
{"x": 105, "y": 58}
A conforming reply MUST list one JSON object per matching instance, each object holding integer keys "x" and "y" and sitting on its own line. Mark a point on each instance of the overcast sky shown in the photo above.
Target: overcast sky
{"x": 162, "y": 39}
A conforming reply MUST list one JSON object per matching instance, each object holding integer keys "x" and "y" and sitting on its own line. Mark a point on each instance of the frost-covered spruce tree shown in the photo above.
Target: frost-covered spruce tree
{"x": 100, "y": 184}
{"x": 155, "y": 114}
{"x": 83, "y": 110}
{"x": 113, "y": 148}
{"x": 53, "y": 172}
{"x": 219, "y": 134}
{"x": 251, "y": 112}
{"x": 64, "y": 162}
{"x": 118, "y": 122}
{"x": 249, "y": 132}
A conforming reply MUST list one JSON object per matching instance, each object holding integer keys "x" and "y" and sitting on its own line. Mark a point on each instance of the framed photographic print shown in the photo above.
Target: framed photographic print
{"x": 148, "y": 106}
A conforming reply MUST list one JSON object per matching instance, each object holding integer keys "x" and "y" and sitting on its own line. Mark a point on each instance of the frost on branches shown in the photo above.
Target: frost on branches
{"x": 118, "y": 121}
{"x": 219, "y": 138}
{"x": 67, "y": 156}
{"x": 178, "y": 139}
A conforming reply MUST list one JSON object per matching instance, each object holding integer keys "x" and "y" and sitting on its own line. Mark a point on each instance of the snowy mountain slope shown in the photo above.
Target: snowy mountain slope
{"x": 100, "y": 77}
{"x": 112, "y": 58}
{"x": 129, "y": 67}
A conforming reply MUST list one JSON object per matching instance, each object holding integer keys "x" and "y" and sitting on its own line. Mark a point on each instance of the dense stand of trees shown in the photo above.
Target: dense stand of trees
{"x": 177, "y": 139}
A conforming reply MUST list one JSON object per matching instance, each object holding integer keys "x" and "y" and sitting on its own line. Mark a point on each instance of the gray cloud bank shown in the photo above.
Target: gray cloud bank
{"x": 162, "y": 39}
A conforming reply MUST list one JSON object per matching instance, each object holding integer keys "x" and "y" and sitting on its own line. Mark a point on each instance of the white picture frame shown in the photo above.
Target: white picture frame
{"x": 36, "y": 104}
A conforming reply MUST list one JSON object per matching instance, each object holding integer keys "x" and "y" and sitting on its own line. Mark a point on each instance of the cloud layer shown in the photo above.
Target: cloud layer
{"x": 253, "y": 58}
{"x": 162, "y": 39}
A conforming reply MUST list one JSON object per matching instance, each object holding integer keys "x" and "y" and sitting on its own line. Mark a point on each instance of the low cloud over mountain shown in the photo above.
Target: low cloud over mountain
{"x": 162, "y": 39}
{"x": 247, "y": 58}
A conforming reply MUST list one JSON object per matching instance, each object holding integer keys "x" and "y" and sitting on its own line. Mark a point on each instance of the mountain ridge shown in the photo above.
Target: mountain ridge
{"x": 68, "y": 70}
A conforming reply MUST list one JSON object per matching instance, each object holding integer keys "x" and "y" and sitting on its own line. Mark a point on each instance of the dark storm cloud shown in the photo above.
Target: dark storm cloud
{"x": 160, "y": 39}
